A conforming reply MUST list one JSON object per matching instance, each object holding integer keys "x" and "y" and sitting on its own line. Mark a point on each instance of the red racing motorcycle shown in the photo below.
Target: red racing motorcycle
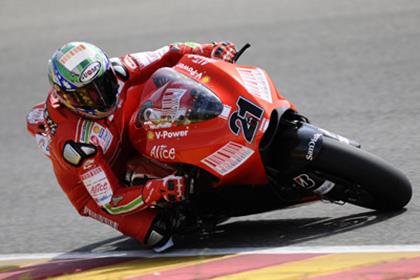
{"x": 245, "y": 149}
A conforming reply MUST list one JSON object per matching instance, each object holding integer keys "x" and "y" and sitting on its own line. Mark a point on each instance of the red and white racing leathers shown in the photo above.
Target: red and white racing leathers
{"x": 90, "y": 157}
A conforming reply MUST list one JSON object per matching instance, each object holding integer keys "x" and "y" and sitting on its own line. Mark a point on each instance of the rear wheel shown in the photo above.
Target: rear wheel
{"x": 367, "y": 180}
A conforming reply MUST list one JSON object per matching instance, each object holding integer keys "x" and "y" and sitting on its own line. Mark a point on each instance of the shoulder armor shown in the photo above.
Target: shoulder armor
{"x": 74, "y": 153}
{"x": 119, "y": 68}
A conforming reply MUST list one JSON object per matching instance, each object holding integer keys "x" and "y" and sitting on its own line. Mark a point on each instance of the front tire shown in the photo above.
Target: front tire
{"x": 369, "y": 181}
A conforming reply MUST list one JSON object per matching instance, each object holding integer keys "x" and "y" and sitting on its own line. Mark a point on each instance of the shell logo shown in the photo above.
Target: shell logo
{"x": 150, "y": 135}
{"x": 96, "y": 129}
{"x": 205, "y": 79}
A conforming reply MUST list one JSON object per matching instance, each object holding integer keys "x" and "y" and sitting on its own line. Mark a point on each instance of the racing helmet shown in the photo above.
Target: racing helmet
{"x": 84, "y": 80}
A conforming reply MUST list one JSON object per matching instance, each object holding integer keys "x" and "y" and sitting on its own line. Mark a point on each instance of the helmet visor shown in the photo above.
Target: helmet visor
{"x": 97, "y": 98}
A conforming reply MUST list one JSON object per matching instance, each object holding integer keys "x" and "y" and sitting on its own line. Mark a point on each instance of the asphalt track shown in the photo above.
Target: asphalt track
{"x": 352, "y": 67}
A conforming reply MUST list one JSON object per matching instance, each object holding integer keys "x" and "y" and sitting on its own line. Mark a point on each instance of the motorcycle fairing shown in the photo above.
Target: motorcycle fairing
{"x": 210, "y": 114}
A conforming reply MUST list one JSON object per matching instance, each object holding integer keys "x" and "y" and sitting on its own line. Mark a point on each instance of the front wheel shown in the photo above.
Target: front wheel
{"x": 368, "y": 181}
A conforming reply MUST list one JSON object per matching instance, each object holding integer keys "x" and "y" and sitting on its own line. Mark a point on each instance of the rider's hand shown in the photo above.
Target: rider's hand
{"x": 224, "y": 50}
{"x": 171, "y": 188}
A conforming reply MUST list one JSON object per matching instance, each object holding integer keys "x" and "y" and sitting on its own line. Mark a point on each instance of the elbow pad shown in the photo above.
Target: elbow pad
{"x": 75, "y": 153}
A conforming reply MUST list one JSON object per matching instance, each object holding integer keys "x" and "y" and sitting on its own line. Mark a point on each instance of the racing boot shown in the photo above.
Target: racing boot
{"x": 159, "y": 237}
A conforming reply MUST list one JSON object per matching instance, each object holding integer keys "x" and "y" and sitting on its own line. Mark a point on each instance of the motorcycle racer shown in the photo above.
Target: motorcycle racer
{"x": 82, "y": 128}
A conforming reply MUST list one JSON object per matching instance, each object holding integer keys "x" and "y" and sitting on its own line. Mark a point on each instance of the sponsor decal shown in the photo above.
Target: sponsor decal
{"x": 71, "y": 53}
{"x": 150, "y": 135}
{"x": 96, "y": 134}
{"x": 228, "y": 158}
{"x": 171, "y": 99}
{"x": 246, "y": 119}
{"x": 200, "y": 60}
{"x": 191, "y": 71}
{"x": 311, "y": 146}
{"x": 36, "y": 116}
{"x": 162, "y": 152}
{"x": 43, "y": 143}
{"x": 326, "y": 187}
{"x": 99, "y": 218}
{"x": 97, "y": 185}
{"x": 90, "y": 72}
{"x": 171, "y": 103}
{"x": 88, "y": 164}
{"x": 146, "y": 58}
{"x": 129, "y": 62}
{"x": 169, "y": 111}
{"x": 255, "y": 82}
{"x": 96, "y": 129}
{"x": 304, "y": 181}
{"x": 206, "y": 79}
{"x": 171, "y": 134}
{"x": 74, "y": 57}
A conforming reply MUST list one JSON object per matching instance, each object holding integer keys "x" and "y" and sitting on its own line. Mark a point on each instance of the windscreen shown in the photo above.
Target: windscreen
{"x": 177, "y": 100}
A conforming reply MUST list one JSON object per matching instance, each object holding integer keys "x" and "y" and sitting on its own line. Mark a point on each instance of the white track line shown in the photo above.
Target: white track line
{"x": 221, "y": 251}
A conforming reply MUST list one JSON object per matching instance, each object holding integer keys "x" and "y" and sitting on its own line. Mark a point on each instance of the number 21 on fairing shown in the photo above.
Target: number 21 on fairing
{"x": 246, "y": 119}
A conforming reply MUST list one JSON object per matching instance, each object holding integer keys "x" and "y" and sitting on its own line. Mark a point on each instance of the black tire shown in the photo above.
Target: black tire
{"x": 387, "y": 187}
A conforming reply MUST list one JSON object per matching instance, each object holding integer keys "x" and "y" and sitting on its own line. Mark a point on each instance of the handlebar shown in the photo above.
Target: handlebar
{"x": 240, "y": 52}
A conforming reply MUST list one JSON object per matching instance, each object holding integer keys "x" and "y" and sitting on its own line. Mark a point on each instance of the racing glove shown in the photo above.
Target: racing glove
{"x": 224, "y": 50}
{"x": 171, "y": 188}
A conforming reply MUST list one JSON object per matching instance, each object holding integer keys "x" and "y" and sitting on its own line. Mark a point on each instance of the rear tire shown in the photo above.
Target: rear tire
{"x": 385, "y": 187}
